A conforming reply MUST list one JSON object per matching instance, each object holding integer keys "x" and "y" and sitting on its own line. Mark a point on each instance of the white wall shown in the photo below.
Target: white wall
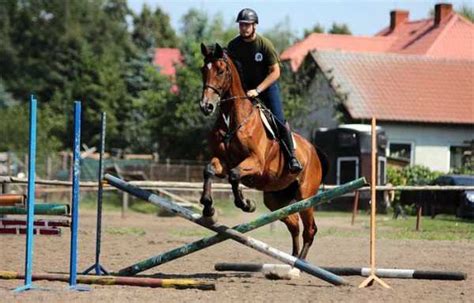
{"x": 431, "y": 143}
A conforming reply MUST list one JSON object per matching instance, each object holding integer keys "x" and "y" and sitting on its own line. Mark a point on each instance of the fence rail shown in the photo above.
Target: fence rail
{"x": 198, "y": 185}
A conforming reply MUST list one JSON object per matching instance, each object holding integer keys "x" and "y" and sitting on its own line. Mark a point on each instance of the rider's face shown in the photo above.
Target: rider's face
{"x": 246, "y": 29}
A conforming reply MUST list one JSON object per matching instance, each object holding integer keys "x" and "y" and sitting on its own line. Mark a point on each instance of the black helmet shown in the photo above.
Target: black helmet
{"x": 247, "y": 15}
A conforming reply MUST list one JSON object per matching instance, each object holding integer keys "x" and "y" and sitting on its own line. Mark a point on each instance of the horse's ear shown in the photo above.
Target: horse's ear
{"x": 204, "y": 50}
{"x": 218, "y": 51}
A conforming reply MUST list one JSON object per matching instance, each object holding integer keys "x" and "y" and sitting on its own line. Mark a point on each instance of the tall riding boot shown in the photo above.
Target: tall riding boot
{"x": 289, "y": 147}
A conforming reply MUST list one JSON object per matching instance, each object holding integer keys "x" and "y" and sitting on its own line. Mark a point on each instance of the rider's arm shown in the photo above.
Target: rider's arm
{"x": 273, "y": 75}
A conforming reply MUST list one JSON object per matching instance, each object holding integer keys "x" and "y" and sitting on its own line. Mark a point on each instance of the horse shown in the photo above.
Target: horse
{"x": 242, "y": 151}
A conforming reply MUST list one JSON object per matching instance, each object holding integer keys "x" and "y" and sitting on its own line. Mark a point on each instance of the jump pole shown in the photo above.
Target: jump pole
{"x": 30, "y": 199}
{"x": 113, "y": 280}
{"x": 352, "y": 271}
{"x": 99, "y": 270}
{"x": 38, "y": 209}
{"x": 243, "y": 228}
{"x": 231, "y": 233}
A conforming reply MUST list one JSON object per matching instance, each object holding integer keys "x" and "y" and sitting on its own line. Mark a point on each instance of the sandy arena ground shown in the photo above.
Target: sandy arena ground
{"x": 139, "y": 236}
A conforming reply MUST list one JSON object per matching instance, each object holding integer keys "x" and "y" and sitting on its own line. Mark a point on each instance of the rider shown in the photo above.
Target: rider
{"x": 260, "y": 71}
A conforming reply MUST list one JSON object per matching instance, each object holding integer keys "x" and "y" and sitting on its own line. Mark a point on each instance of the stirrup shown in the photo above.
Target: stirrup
{"x": 294, "y": 165}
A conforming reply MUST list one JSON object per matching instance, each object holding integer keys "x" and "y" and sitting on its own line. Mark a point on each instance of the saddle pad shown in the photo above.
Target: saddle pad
{"x": 269, "y": 128}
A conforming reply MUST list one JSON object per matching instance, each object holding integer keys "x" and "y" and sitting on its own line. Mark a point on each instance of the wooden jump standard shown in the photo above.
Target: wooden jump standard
{"x": 234, "y": 234}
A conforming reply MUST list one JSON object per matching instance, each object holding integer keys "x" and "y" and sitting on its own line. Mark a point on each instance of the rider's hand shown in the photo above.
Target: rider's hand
{"x": 252, "y": 93}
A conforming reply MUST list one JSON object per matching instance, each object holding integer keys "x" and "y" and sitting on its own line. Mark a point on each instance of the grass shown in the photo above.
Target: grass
{"x": 443, "y": 227}
{"x": 134, "y": 231}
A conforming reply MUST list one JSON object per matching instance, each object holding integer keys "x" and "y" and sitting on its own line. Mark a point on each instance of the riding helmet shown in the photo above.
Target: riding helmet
{"x": 247, "y": 15}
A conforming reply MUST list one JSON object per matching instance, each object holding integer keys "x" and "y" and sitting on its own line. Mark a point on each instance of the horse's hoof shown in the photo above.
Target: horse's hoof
{"x": 208, "y": 220}
{"x": 251, "y": 206}
{"x": 208, "y": 211}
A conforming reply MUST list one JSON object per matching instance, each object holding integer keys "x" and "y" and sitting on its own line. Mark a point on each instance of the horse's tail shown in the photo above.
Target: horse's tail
{"x": 323, "y": 158}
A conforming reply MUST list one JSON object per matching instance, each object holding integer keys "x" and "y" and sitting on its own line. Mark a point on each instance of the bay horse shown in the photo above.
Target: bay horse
{"x": 242, "y": 151}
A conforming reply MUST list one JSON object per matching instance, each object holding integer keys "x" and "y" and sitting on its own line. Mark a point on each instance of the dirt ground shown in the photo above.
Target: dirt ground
{"x": 139, "y": 236}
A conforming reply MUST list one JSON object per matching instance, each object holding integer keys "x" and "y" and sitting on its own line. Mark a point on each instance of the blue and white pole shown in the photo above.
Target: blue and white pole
{"x": 75, "y": 197}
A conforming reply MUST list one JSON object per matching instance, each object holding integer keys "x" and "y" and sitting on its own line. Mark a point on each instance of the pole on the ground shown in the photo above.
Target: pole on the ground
{"x": 243, "y": 228}
{"x": 31, "y": 199}
{"x": 99, "y": 269}
{"x": 114, "y": 280}
{"x": 75, "y": 198}
{"x": 230, "y": 233}
{"x": 395, "y": 273}
{"x": 373, "y": 202}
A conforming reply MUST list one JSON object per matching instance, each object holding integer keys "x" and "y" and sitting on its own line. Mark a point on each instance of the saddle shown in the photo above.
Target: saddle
{"x": 269, "y": 123}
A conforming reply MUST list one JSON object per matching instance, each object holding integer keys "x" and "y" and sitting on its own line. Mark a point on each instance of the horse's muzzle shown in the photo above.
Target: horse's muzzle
{"x": 207, "y": 108}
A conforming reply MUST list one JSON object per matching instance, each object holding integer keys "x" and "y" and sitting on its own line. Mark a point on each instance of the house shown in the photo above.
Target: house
{"x": 166, "y": 59}
{"x": 415, "y": 77}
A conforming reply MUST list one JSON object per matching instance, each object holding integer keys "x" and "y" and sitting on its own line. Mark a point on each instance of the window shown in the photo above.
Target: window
{"x": 401, "y": 151}
{"x": 460, "y": 156}
{"x": 345, "y": 139}
{"x": 347, "y": 169}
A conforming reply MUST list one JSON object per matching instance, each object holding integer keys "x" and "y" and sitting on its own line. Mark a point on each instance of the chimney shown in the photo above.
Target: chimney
{"x": 442, "y": 11}
{"x": 398, "y": 17}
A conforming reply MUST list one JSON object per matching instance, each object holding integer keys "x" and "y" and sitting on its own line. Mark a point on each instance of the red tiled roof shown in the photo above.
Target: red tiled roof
{"x": 453, "y": 38}
{"x": 316, "y": 41}
{"x": 166, "y": 59}
{"x": 396, "y": 87}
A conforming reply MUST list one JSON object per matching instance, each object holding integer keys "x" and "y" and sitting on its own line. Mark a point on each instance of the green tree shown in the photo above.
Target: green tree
{"x": 467, "y": 11}
{"x": 317, "y": 28}
{"x": 281, "y": 35}
{"x": 153, "y": 29}
{"x": 339, "y": 29}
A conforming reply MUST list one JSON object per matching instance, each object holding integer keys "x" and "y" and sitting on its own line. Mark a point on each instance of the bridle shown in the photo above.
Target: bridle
{"x": 230, "y": 133}
{"x": 220, "y": 90}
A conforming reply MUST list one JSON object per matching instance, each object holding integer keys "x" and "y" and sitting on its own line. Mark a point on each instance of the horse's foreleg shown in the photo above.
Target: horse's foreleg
{"x": 247, "y": 167}
{"x": 212, "y": 169}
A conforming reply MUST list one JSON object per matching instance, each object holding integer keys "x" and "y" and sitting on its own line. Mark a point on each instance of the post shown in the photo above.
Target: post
{"x": 419, "y": 212}
{"x": 31, "y": 199}
{"x": 48, "y": 167}
{"x": 99, "y": 270}
{"x": 125, "y": 199}
{"x": 75, "y": 197}
{"x": 373, "y": 209}
{"x": 356, "y": 206}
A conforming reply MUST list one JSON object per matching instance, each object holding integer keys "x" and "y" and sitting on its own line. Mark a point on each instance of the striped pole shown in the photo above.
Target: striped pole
{"x": 243, "y": 228}
{"x": 230, "y": 233}
{"x": 354, "y": 271}
{"x": 113, "y": 280}
{"x": 31, "y": 199}
{"x": 75, "y": 198}
{"x": 38, "y": 209}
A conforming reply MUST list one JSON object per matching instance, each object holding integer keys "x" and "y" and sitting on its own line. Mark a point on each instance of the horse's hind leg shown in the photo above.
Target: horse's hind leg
{"x": 276, "y": 200}
{"x": 309, "y": 231}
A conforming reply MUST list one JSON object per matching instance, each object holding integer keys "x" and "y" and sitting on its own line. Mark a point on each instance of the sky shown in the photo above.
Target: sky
{"x": 363, "y": 17}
